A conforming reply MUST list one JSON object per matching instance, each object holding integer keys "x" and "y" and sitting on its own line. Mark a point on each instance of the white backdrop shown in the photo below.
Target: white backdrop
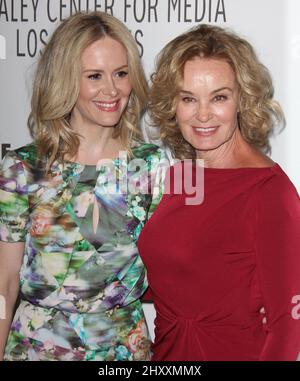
{"x": 272, "y": 26}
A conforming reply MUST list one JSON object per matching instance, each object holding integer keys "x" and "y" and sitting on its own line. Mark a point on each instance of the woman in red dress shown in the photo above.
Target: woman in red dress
{"x": 214, "y": 264}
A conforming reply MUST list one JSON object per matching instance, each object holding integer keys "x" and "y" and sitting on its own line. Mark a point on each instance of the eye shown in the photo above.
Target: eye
{"x": 188, "y": 99}
{"x": 220, "y": 98}
{"x": 122, "y": 74}
{"x": 94, "y": 76}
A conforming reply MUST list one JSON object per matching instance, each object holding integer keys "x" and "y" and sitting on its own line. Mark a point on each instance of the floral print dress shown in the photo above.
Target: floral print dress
{"x": 80, "y": 282}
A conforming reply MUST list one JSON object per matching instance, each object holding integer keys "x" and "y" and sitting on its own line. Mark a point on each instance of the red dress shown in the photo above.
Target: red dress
{"x": 211, "y": 267}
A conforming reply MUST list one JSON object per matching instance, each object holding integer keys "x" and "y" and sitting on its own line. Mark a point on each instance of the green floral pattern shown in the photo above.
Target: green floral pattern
{"x": 80, "y": 284}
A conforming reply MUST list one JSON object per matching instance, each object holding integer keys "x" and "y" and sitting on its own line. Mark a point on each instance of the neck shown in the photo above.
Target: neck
{"x": 229, "y": 155}
{"x": 96, "y": 143}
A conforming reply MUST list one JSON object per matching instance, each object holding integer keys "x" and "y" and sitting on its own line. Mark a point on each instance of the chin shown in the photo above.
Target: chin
{"x": 203, "y": 147}
{"x": 109, "y": 123}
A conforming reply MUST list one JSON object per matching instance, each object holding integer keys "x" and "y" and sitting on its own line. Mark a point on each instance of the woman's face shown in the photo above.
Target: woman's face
{"x": 208, "y": 104}
{"x": 104, "y": 85}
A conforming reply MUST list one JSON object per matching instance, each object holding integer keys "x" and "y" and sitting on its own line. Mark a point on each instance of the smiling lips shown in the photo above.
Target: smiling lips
{"x": 205, "y": 131}
{"x": 107, "y": 106}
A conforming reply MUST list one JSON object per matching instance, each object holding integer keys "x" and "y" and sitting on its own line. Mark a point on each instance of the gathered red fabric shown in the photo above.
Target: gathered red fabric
{"x": 211, "y": 267}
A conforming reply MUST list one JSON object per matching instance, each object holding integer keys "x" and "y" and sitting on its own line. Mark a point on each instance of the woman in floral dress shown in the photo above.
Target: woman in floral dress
{"x": 72, "y": 204}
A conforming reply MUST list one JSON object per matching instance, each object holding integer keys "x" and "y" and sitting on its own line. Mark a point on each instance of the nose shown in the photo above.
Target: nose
{"x": 109, "y": 87}
{"x": 203, "y": 112}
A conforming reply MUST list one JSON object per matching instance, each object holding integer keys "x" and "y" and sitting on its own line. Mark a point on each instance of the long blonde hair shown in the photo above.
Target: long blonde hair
{"x": 258, "y": 111}
{"x": 57, "y": 84}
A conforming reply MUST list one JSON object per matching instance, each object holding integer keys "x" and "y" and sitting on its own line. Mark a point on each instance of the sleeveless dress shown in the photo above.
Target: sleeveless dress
{"x": 80, "y": 284}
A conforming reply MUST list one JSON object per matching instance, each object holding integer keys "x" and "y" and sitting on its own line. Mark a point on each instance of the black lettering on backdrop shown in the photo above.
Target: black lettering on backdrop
{"x": 19, "y": 54}
{"x": 106, "y": 7}
{"x": 174, "y": 4}
{"x": 18, "y": 8}
{"x": 32, "y": 42}
{"x": 126, "y": 5}
{"x": 65, "y": 8}
{"x": 74, "y": 7}
{"x": 26, "y": 10}
{"x": 61, "y": 7}
{"x": 49, "y": 13}
{"x": 27, "y": 43}
{"x": 23, "y": 6}
{"x": 3, "y": 9}
{"x": 13, "y": 19}
{"x": 154, "y": 10}
{"x": 142, "y": 10}
{"x": 138, "y": 11}
{"x": 136, "y": 36}
{"x": 43, "y": 32}
{"x": 209, "y": 11}
{"x": 34, "y": 4}
{"x": 142, "y": 14}
{"x": 109, "y": 5}
{"x": 220, "y": 10}
{"x": 197, "y": 18}
{"x": 185, "y": 12}
{"x": 196, "y": 10}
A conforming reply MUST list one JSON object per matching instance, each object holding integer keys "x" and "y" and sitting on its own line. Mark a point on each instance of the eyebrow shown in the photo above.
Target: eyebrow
{"x": 101, "y": 71}
{"x": 213, "y": 92}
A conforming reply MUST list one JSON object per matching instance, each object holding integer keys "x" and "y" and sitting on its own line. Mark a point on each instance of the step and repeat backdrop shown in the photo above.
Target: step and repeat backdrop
{"x": 272, "y": 26}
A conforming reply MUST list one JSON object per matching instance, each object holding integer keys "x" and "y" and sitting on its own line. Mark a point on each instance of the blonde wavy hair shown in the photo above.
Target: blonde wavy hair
{"x": 258, "y": 111}
{"x": 57, "y": 84}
